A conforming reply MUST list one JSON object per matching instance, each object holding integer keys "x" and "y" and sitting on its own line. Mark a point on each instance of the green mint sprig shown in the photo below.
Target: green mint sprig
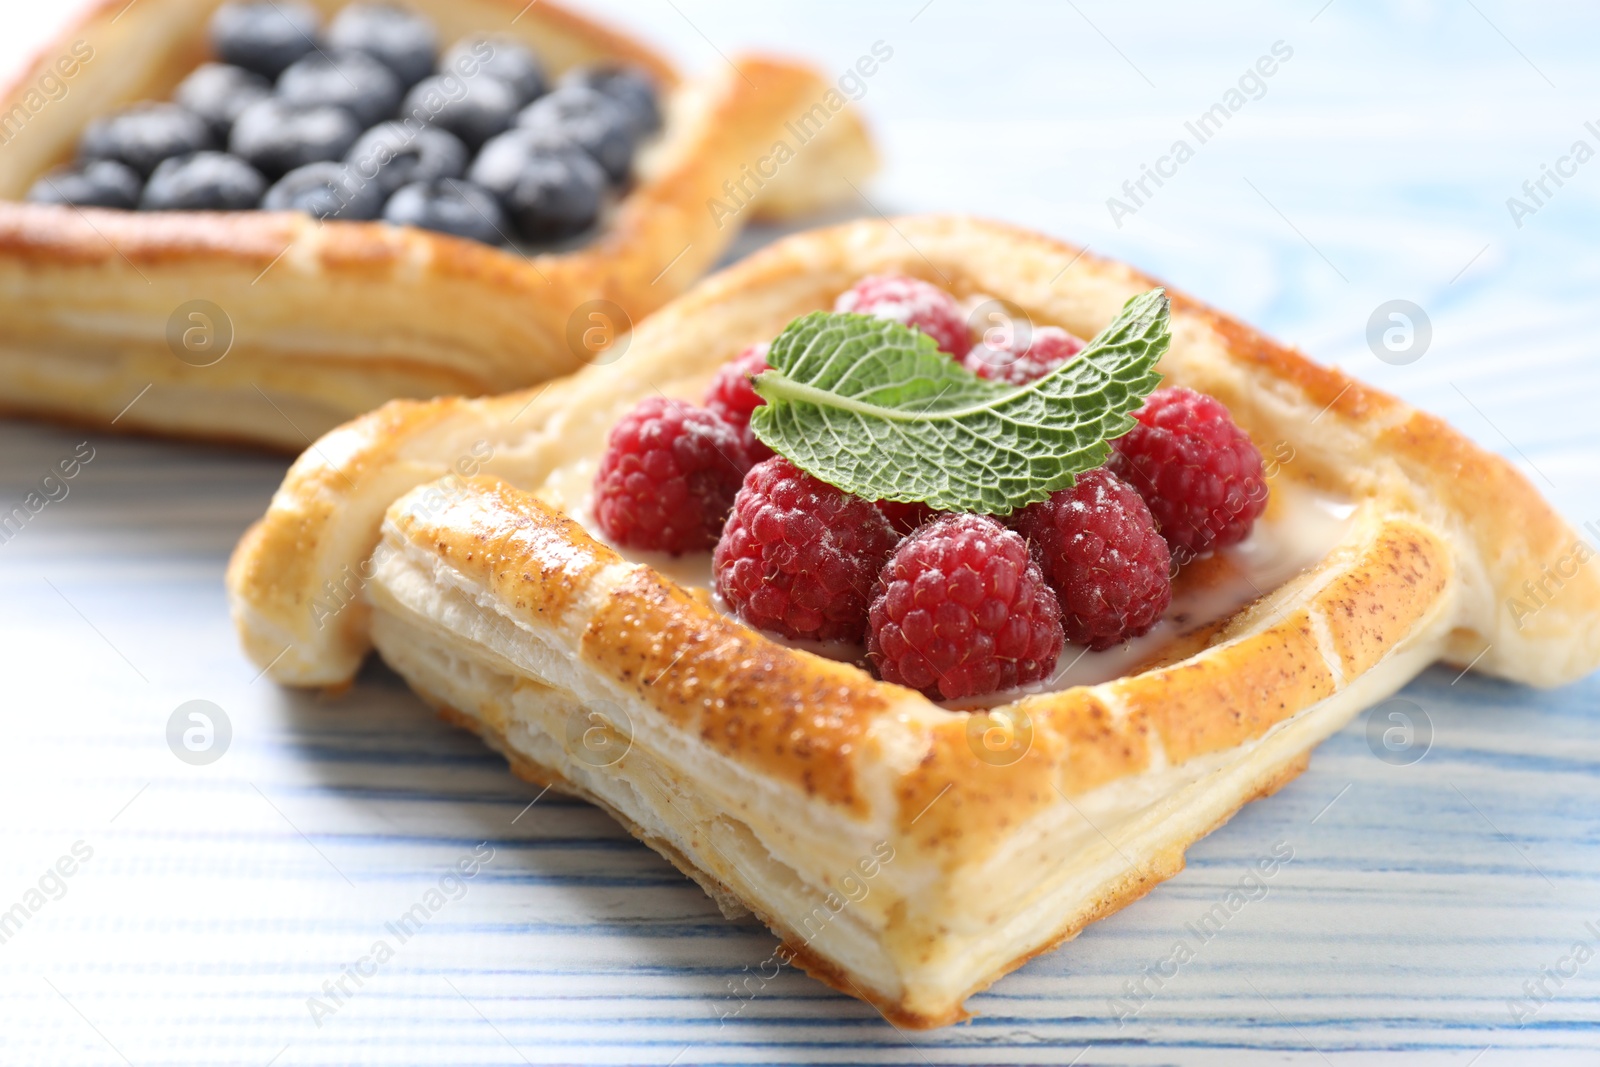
{"x": 876, "y": 409}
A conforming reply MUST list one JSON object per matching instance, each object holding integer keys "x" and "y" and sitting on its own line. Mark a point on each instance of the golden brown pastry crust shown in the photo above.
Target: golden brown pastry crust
{"x": 1160, "y": 758}
{"x": 332, "y": 320}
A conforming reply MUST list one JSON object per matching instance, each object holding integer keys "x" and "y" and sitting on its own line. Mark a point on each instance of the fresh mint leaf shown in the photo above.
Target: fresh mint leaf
{"x": 875, "y": 408}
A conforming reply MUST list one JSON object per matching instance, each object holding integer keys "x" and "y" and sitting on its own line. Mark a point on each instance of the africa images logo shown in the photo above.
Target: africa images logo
{"x": 50, "y": 86}
{"x": 1251, "y": 887}
{"x": 805, "y": 127}
{"x": 1251, "y": 85}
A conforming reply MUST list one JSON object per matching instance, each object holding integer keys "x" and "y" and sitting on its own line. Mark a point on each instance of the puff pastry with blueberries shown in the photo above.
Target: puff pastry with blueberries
{"x": 524, "y": 231}
{"x": 909, "y": 851}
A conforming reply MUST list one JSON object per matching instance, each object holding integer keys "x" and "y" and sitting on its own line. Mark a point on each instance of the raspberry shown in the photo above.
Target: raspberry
{"x": 961, "y": 610}
{"x": 906, "y": 517}
{"x": 1101, "y": 552}
{"x": 1048, "y": 348}
{"x": 1195, "y": 467}
{"x": 668, "y": 477}
{"x": 798, "y": 557}
{"x": 733, "y": 397}
{"x": 914, "y": 303}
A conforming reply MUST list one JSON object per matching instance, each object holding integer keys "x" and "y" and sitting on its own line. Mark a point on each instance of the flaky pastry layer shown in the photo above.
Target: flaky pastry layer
{"x": 331, "y": 320}
{"x": 779, "y": 779}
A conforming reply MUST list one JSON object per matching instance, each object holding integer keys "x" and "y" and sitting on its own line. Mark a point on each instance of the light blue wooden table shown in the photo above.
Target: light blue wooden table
{"x": 1430, "y": 912}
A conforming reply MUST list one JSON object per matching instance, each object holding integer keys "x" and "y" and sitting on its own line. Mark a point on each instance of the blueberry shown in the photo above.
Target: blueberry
{"x": 144, "y": 135}
{"x": 264, "y": 37}
{"x": 101, "y": 184}
{"x": 504, "y": 158}
{"x": 550, "y": 189}
{"x": 451, "y": 206}
{"x": 498, "y": 57}
{"x": 204, "y": 181}
{"x": 351, "y": 80}
{"x": 275, "y": 138}
{"x": 557, "y": 196}
{"x": 403, "y": 41}
{"x": 396, "y": 153}
{"x": 589, "y": 120}
{"x": 218, "y": 92}
{"x": 327, "y": 191}
{"x": 628, "y": 87}
{"x": 474, "y": 109}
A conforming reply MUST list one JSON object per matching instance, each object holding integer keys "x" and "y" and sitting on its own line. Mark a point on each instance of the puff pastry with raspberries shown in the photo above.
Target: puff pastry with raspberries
{"x": 459, "y": 538}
